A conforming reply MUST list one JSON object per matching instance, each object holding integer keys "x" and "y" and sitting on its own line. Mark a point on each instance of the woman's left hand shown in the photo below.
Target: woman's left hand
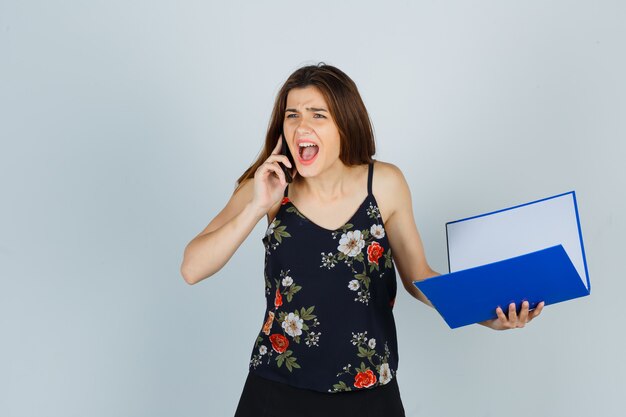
{"x": 502, "y": 322}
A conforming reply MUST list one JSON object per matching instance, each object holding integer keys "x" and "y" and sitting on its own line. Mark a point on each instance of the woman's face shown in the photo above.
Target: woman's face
{"x": 308, "y": 120}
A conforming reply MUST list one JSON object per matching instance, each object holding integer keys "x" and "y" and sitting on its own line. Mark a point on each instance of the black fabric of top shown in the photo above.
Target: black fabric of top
{"x": 328, "y": 324}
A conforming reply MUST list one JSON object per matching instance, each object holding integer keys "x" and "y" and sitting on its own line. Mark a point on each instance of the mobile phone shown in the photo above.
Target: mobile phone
{"x": 284, "y": 149}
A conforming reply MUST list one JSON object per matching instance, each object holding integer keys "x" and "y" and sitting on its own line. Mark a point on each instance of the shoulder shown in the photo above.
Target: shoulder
{"x": 390, "y": 188}
{"x": 387, "y": 173}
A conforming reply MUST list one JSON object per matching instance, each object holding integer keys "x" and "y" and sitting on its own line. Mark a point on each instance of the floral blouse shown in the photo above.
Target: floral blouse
{"x": 328, "y": 324}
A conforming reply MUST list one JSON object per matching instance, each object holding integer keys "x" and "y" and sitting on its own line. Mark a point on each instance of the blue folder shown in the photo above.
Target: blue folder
{"x": 555, "y": 271}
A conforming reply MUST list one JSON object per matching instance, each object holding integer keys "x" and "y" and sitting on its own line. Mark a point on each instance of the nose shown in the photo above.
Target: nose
{"x": 303, "y": 128}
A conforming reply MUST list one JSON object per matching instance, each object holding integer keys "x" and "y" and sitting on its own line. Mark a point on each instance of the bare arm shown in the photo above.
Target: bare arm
{"x": 407, "y": 249}
{"x": 211, "y": 249}
{"x": 408, "y": 252}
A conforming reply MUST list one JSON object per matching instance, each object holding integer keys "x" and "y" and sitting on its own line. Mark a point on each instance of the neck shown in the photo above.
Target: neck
{"x": 331, "y": 184}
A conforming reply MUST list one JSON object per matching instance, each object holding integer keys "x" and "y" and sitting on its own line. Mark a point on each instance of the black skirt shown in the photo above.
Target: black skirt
{"x": 262, "y": 397}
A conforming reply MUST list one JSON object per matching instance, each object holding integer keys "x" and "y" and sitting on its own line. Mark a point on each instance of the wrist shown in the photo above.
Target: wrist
{"x": 255, "y": 211}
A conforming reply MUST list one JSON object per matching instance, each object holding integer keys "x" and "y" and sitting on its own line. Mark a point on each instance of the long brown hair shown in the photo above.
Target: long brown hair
{"x": 345, "y": 106}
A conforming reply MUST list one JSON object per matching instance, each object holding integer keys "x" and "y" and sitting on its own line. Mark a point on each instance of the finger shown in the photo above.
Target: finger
{"x": 280, "y": 172}
{"x": 523, "y": 316}
{"x": 273, "y": 166}
{"x": 536, "y": 311}
{"x": 501, "y": 315}
{"x": 282, "y": 158}
{"x": 279, "y": 143}
{"x": 512, "y": 313}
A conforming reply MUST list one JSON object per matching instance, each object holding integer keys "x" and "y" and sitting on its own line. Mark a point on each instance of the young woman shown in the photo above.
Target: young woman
{"x": 336, "y": 233}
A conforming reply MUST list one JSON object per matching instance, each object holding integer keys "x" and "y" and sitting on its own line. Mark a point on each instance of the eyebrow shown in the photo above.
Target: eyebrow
{"x": 308, "y": 108}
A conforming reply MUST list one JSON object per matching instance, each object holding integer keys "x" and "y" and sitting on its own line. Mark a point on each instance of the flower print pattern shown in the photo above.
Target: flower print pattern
{"x": 296, "y": 323}
{"x": 374, "y": 252}
{"x": 292, "y": 341}
{"x": 274, "y": 235}
{"x": 364, "y": 376}
{"x": 377, "y": 231}
{"x": 268, "y": 323}
{"x": 364, "y": 379}
{"x": 289, "y": 287}
{"x": 293, "y": 325}
{"x": 278, "y": 299}
{"x": 384, "y": 373}
{"x": 328, "y": 260}
{"x": 292, "y": 208}
{"x": 279, "y": 342}
{"x": 351, "y": 250}
{"x": 373, "y": 212}
{"x": 255, "y": 360}
{"x": 351, "y": 243}
{"x": 312, "y": 339}
{"x": 282, "y": 328}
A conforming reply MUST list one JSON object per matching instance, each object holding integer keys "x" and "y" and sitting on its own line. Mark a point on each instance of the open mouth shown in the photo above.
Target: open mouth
{"x": 308, "y": 152}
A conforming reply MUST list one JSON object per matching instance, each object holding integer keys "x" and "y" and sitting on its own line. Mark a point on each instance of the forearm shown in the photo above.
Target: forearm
{"x": 206, "y": 254}
{"x": 416, "y": 293}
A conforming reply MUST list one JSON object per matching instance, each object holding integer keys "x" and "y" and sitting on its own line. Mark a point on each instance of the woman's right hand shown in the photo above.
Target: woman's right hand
{"x": 268, "y": 187}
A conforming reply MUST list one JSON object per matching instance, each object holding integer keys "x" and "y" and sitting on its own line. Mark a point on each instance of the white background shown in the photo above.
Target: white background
{"x": 124, "y": 124}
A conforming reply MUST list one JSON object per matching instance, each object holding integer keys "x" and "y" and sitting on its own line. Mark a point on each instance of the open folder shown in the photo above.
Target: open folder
{"x": 531, "y": 252}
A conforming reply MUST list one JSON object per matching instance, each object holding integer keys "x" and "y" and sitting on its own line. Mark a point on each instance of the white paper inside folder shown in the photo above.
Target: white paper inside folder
{"x": 516, "y": 231}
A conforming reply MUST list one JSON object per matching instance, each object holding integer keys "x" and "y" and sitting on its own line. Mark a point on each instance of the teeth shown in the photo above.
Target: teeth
{"x": 307, "y": 144}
